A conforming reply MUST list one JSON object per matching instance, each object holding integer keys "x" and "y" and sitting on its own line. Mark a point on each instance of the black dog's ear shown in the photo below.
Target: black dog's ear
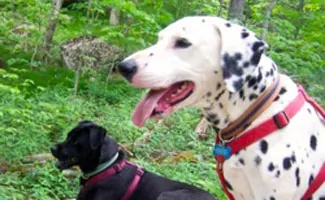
{"x": 96, "y": 136}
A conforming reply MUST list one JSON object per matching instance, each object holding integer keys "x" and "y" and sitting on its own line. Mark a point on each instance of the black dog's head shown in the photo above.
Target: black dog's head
{"x": 87, "y": 146}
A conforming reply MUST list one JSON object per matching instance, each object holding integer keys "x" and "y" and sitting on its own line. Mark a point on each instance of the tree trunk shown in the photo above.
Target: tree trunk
{"x": 298, "y": 26}
{"x": 267, "y": 18}
{"x": 81, "y": 57}
{"x": 236, "y": 10}
{"x": 53, "y": 20}
{"x": 114, "y": 17}
{"x": 220, "y": 8}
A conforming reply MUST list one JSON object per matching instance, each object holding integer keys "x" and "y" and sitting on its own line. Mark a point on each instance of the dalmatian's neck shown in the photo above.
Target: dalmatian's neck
{"x": 222, "y": 107}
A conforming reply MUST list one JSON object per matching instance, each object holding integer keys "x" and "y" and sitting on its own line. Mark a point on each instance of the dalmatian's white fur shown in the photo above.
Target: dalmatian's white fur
{"x": 229, "y": 69}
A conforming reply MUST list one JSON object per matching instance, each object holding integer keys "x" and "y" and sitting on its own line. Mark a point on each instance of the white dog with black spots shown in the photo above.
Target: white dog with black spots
{"x": 213, "y": 64}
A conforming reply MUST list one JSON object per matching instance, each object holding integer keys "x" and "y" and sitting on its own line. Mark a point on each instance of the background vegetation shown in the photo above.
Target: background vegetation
{"x": 38, "y": 105}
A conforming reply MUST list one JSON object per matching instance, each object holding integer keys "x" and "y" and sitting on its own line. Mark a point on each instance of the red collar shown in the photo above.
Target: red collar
{"x": 111, "y": 171}
{"x": 278, "y": 121}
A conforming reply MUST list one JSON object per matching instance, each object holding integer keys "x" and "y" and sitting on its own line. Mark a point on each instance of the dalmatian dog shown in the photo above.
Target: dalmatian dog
{"x": 220, "y": 67}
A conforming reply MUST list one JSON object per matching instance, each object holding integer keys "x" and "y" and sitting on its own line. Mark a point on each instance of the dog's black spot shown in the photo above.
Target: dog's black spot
{"x": 252, "y": 82}
{"x": 277, "y": 98}
{"x": 247, "y": 78}
{"x": 228, "y": 185}
{"x": 229, "y": 95}
{"x": 267, "y": 74}
{"x": 257, "y": 45}
{"x": 231, "y": 66}
{"x": 282, "y": 90}
{"x": 209, "y": 94}
{"x": 288, "y": 145}
{"x": 255, "y": 87}
{"x": 309, "y": 110}
{"x": 238, "y": 56}
{"x": 211, "y": 117}
{"x": 271, "y": 167}
{"x": 257, "y": 52}
{"x": 207, "y": 108}
{"x": 244, "y": 35}
{"x": 216, "y": 72}
{"x": 218, "y": 86}
{"x": 262, "y": 89}
{"x": 271, "y": 72}
{"x": 151, "y": 54}
{"x": 257, "y": 160}
{"x": 235, "y": 102}
{"x": 203, "y": 20}
{"x": 241, "y": 93}
{"x": 226, "y": 120}
{"x": 287, "y": 163}
{"x": 145, "y": 64}
{"x": 220, "y": 105}
{"x": 263, "y": 146}
{"x": 184, "y": 28}
{"x": 252, "y": 96}
{"x": 216, "y": 121}
{"x": 259, "y": 76}
{"x": 311, "y": 179}
{"x": 297, "y": 177}
{"x": 274, "y": 190}
{"x": 293, "y": 158}
{"x": 277, "y": 174}
{"x": 219, "y": 95}
{"x": 313, "y": 142}
{"x": 241, "y": 161}
{"x": 272, "y": 198}
{"x": 273, "y": 66}
{"x": 226, "y": 73}
{"x": 246, "y": 64}
{"x": 228, "y": 24}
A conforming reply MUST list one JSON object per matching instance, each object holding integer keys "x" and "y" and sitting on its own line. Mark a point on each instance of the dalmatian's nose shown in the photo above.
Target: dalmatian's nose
{"x": 128, "y": 68}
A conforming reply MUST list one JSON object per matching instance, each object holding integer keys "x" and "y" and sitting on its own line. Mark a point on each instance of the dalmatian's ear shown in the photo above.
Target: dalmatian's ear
{"x": 241, "y": 52}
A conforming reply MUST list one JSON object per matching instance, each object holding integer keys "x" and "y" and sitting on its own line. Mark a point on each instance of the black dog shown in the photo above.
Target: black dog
{"x": 108, "y": 176}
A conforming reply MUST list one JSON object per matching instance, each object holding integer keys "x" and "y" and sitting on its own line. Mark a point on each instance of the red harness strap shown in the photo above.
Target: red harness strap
{"x": 278, "y": 121}
{"x": 114, "y": 170}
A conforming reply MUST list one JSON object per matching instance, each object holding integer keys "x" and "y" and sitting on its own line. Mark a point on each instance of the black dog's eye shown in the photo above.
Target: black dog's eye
{"x": 182, "y": 43}
{"x": 78, "y": 147}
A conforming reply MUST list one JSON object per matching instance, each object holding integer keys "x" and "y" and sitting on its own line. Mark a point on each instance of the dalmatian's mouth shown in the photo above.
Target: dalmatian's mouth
{"x": 160, "y": 102}
{"x": 65, "y": 164}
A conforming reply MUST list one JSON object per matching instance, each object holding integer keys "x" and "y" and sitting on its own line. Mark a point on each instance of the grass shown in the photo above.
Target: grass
{"x": 38, "y": 109}
{"x": 40, "y": 112}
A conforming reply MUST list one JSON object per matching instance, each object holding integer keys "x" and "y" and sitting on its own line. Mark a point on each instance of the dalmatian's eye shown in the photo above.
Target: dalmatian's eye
{"x": 182, "y": 43}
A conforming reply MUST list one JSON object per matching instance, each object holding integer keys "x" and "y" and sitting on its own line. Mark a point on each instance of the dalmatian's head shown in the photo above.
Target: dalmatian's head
{"x": 189, "y": 58}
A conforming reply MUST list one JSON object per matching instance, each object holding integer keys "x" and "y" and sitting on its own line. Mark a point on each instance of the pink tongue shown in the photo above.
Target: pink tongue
{"x": 146, "y": 106}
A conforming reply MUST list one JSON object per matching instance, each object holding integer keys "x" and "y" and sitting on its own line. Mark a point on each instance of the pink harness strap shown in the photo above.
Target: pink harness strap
{"x": 111, "y": 171}
{"x": 134, "y": 183}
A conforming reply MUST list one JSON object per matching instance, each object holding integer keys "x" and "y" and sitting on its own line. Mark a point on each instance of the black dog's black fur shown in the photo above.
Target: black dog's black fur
{"x": 87, "y": 146}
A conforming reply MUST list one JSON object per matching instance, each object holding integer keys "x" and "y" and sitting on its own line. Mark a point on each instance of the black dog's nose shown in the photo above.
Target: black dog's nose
{"x": 128, "y": 68}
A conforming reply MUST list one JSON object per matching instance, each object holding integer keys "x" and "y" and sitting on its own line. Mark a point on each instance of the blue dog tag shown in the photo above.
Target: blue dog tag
{"x": 220, "y": 150}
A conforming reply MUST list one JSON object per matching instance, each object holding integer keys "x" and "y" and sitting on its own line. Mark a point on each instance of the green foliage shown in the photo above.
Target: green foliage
{"x": 37, "y": 106}
{"x": 32, "y": 119}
